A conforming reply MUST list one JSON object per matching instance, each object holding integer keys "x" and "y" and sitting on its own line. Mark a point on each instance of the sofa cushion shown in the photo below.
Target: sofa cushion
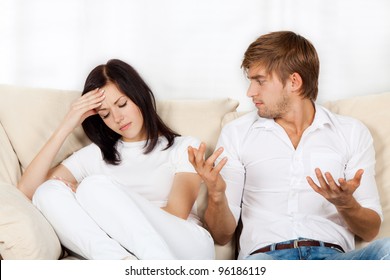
{"x": 29, "y": 117}
{"x": 24, "y": 232}
{"x": 199, "y": 118}
{"x": 373, "y": 111}
{"x": 44, "y": 109}
{"x": 9, "y": 164}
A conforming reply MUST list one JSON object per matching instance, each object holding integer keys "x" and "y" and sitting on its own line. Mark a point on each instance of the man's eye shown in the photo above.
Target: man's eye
{"x": 260, "y": 82}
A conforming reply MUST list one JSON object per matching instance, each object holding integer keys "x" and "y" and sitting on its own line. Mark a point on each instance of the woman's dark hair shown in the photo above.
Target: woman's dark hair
{"x": 130, "y": 83}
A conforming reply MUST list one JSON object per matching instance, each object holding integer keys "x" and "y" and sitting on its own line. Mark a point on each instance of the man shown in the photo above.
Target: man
{"x": 300, "y": 178}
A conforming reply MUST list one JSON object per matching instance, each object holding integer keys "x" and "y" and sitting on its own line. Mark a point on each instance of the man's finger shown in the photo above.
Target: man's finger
{"x": 321, "y": 179}
{"x": 220, "y": 165}
{"x": 211, "y": 160}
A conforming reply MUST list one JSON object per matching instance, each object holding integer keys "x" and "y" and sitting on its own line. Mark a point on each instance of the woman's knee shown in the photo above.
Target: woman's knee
{"x": 94, "y": 186}
{"x": 49, "y": 192}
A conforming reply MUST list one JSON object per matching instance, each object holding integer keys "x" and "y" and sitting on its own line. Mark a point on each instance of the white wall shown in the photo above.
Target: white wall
{"x": 191, "y": 49}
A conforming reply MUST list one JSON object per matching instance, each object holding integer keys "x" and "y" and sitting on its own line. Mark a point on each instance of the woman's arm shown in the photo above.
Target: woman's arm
{"x": 183, "y": 194}
{"x": 39, "y": 170}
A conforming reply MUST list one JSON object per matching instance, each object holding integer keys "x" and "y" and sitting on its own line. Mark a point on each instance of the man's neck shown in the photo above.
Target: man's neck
{"x": 297, "y": 119}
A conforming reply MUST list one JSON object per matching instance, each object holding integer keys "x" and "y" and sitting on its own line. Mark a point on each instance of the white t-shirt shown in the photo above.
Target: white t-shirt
{"x": 266, "y": 178}
{"x": 150, "y": 175}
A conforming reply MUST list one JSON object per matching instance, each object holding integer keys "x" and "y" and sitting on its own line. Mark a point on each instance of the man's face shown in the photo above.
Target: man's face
{"x": 268, "y": 93}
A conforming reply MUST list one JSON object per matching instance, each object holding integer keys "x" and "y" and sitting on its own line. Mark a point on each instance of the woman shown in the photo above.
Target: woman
{"x": 129, "y": 193}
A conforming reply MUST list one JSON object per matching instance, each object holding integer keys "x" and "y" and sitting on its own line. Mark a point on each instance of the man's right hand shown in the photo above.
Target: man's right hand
{"x": 207, "y": 170}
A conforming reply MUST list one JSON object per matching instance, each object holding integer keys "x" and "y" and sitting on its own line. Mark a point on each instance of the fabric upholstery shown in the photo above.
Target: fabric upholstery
{"x": 30, "y": 115}
{"x": 199, "y": 118}
{"x": 9, "y": 165}
{"x": 24, "y": 232}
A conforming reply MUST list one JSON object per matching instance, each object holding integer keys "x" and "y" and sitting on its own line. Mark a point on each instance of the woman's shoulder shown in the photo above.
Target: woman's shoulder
{"x": 89, "y": 150}
{"x": 180, "y": 144}
{"x": 187, "y": 141}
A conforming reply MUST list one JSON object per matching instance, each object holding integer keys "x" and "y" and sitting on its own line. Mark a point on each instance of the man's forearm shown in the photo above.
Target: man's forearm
{"x": 363, "y": 222}
{"x": 220, "y": 220}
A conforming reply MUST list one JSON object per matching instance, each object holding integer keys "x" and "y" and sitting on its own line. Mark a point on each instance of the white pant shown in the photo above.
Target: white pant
{"x": 103, "y": 220}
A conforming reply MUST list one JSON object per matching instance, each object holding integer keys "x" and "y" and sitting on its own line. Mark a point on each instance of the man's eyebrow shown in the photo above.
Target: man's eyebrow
{"x": 255, "y": 77}
{"x": 102, "y": 109}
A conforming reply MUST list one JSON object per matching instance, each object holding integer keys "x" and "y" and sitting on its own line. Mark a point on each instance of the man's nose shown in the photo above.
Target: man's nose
{"x": 252, "y": 90}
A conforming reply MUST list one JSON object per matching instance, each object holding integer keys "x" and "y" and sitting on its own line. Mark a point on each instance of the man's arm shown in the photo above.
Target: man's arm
{"x": 363, "y": 222}
{"x": 218, "y": 217}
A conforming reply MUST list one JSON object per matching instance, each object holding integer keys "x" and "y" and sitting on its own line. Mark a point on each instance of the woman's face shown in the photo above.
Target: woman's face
{"x": 121, "y": 115}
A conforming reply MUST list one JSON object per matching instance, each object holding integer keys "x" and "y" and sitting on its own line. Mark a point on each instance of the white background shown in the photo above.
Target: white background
{"x": 191, "y": 49}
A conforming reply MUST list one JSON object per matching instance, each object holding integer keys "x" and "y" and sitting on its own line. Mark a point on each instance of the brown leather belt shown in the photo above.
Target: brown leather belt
{"x": 295, "y": 244}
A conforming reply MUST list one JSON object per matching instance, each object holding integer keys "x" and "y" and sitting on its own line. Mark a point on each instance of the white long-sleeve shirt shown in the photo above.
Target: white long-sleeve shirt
{"x": 266, "y": 178}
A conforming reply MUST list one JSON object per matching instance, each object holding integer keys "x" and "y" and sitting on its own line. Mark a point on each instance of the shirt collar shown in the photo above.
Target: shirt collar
{"x": 321, "y": 118}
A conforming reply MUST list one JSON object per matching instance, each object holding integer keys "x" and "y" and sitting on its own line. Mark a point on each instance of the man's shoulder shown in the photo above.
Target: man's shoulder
{"x": 342, "y": 120}
{"x": 346, "y": 125}
{"x": 243, "y": 122}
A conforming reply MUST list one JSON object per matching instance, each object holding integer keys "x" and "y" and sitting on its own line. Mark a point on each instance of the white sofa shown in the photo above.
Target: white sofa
{"x": 28, "y": 116}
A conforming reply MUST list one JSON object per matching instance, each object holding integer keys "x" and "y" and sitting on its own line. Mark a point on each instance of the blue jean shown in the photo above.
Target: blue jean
{"x": 376, "y": 250}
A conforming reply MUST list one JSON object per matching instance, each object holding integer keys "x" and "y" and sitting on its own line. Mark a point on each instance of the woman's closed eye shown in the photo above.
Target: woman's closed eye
{"x": 104, "y": 116}
{"x": 123, "y": 104}
{"x": 120, "y": 105}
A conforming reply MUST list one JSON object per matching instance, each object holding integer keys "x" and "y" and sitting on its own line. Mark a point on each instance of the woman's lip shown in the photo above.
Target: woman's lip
{"x": 126, "y": 126}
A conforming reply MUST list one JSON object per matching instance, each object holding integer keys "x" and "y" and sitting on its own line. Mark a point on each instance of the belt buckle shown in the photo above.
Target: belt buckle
{"x": 296, "y": 243}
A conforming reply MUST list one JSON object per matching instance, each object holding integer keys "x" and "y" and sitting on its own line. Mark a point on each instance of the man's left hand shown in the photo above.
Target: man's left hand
{"x": 339, "y": 194}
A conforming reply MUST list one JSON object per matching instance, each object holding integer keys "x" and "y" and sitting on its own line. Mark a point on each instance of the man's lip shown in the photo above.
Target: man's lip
{"x": 126, "y": 126}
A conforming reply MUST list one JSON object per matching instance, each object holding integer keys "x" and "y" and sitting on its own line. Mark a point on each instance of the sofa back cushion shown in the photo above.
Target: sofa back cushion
{"x": 199, "y": 118}
{"x": 9, "y": 164}
{"x": 30, "y": 115}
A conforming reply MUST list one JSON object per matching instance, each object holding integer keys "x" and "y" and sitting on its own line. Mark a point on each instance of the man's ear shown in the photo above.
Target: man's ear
{"x": 296, "y": 82}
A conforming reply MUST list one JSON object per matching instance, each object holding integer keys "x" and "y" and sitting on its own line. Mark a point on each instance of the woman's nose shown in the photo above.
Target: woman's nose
{"x": 118, "y": 117}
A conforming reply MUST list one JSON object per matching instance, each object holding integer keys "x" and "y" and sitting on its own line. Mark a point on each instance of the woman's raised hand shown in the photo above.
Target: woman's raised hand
{"x": 82, "y": 108}
{"x": 40, "y": 168}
